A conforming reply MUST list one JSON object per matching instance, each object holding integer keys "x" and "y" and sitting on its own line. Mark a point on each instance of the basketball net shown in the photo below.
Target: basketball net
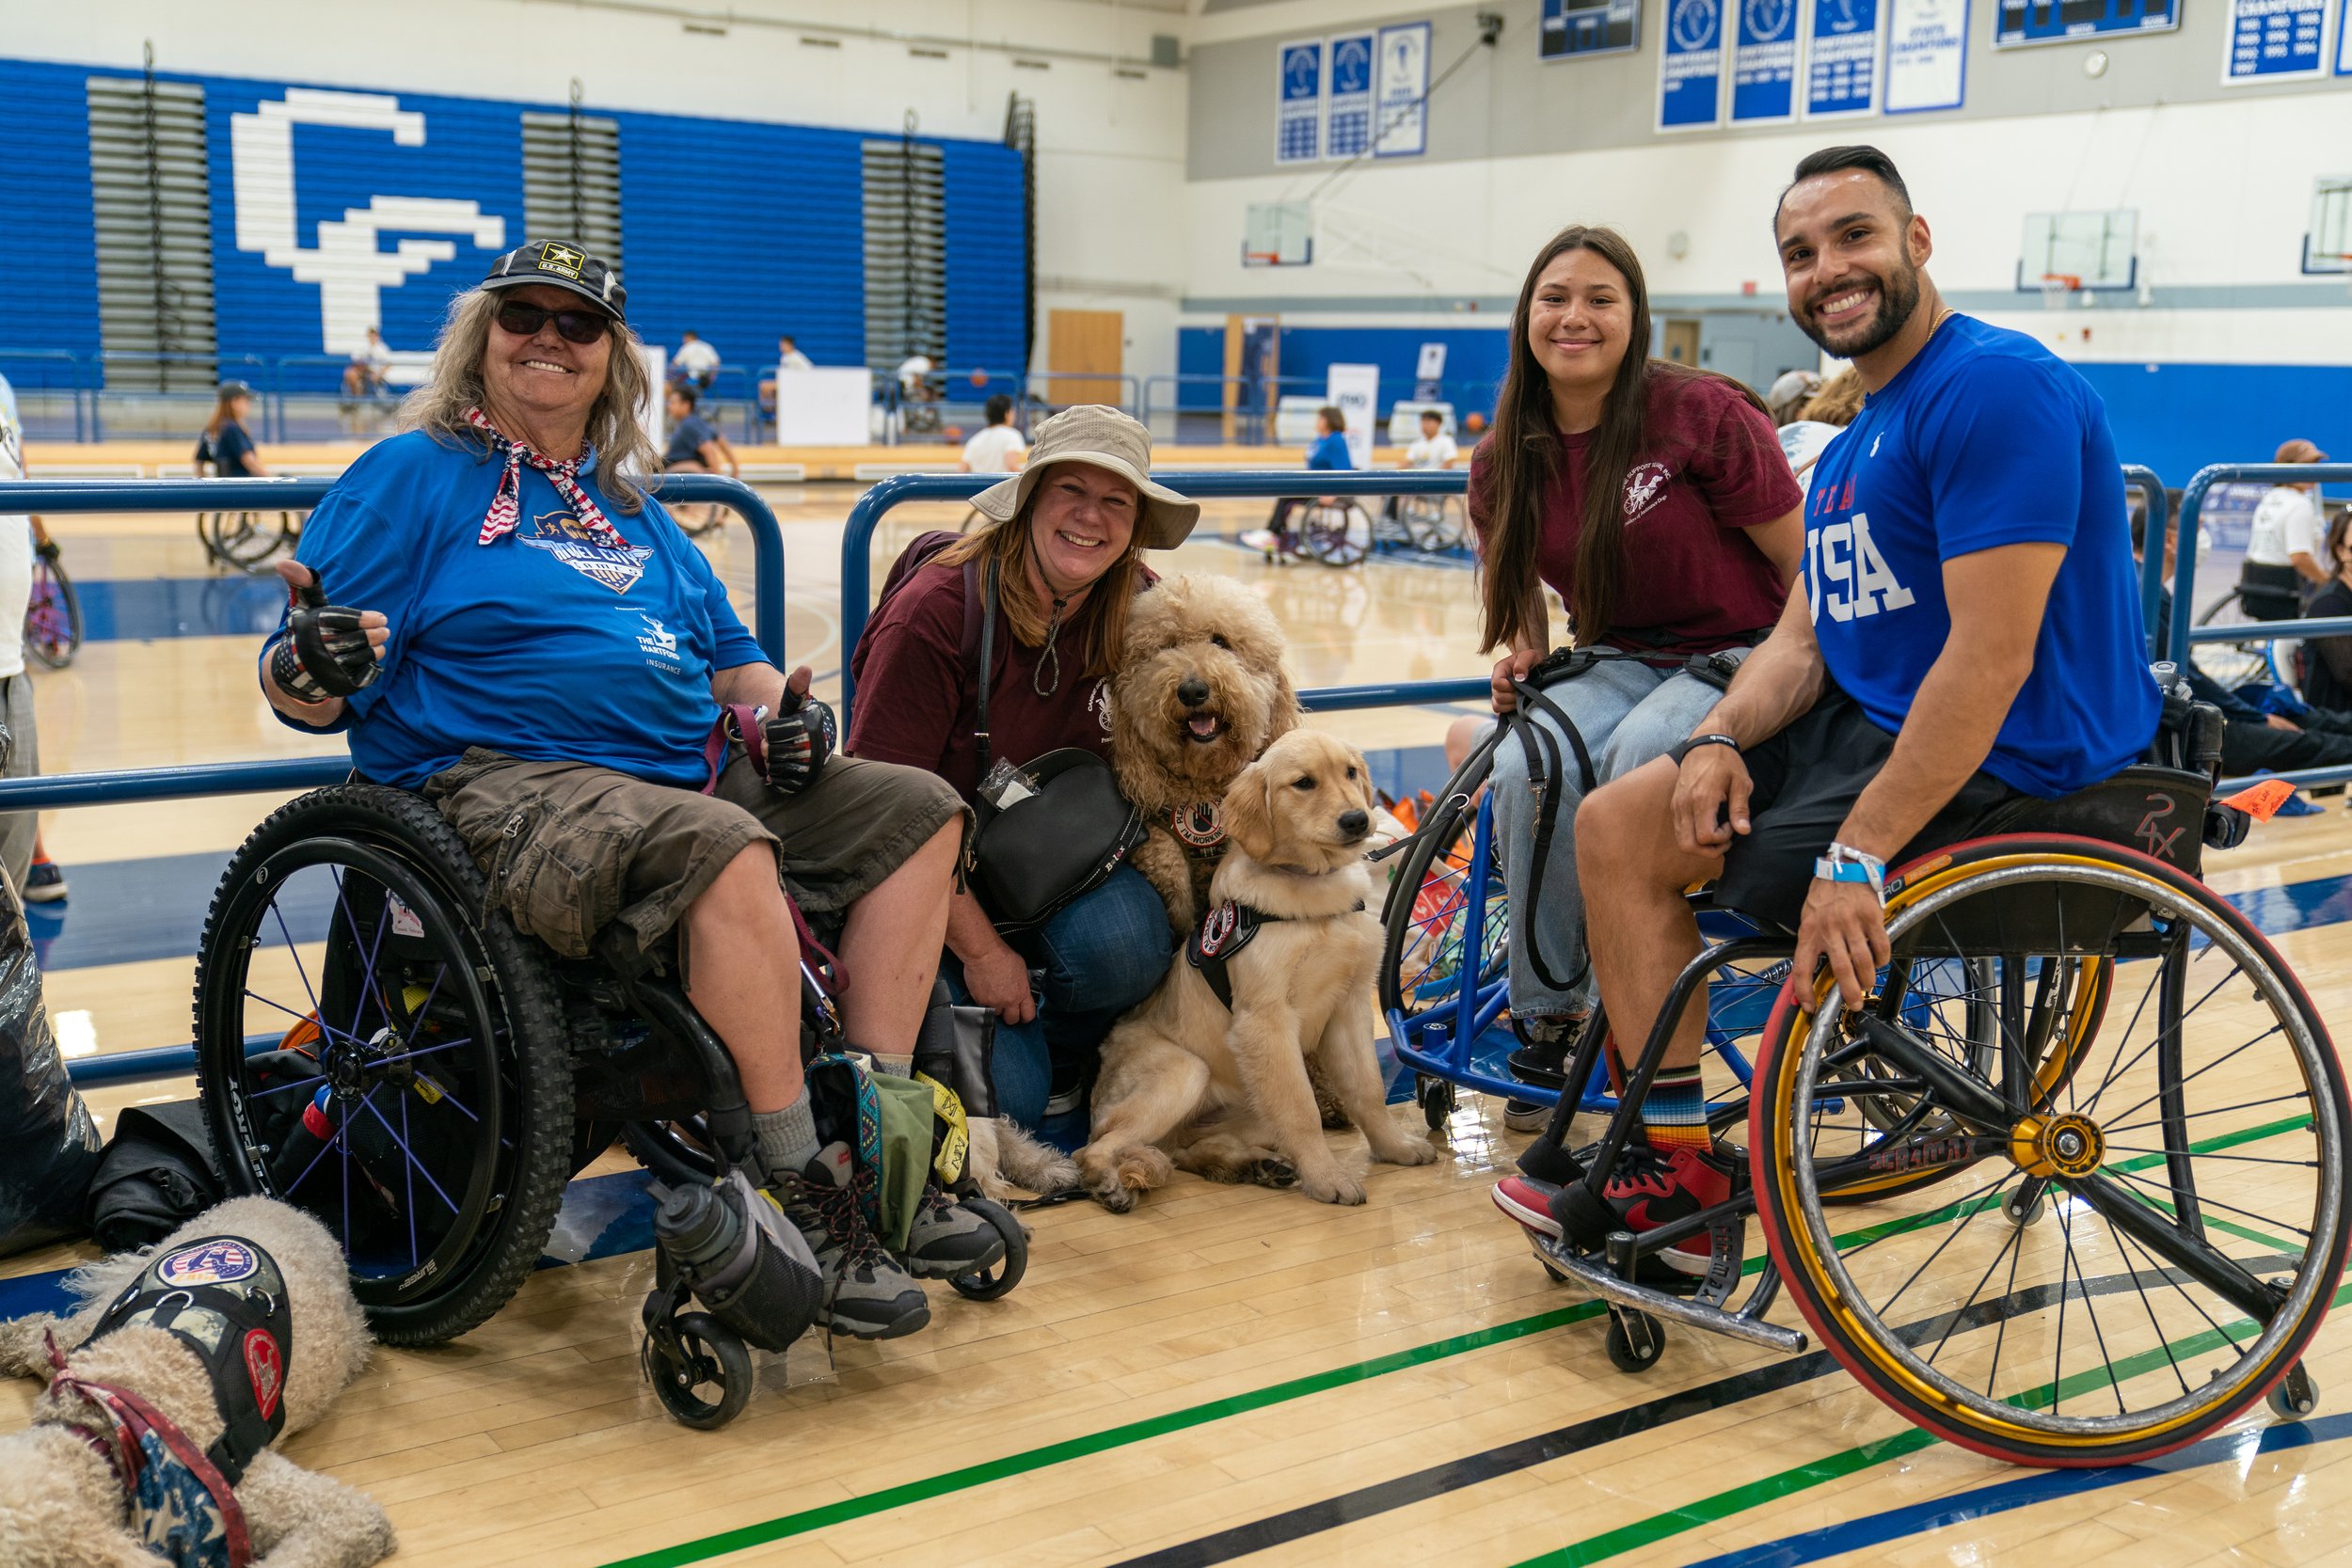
{"x": 2056, "y": 286}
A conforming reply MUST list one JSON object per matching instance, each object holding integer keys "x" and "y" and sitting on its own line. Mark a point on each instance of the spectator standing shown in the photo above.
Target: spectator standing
{"x": 695, "y": 362}
{"x": 2283, "y": 545}
{"x": 999, "y": 448}
{"x": 20, "y": 831}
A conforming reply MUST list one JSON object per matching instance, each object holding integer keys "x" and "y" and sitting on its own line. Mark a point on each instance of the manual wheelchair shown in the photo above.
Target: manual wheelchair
{"x": 461, "y": 1075}
{"x": 2067, "y": 1188}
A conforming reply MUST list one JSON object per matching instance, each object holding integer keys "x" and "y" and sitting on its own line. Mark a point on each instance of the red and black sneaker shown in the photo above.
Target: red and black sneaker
{"x": 1529, "y": 1202}
{"x": 1649, "y": 1189}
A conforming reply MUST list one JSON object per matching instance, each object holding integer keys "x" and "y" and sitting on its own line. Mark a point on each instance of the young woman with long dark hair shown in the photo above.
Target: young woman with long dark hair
{"x": 1653, "y": 499}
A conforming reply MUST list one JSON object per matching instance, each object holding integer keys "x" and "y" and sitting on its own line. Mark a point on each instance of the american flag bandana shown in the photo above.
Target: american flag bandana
{"x": 506, "y": 506}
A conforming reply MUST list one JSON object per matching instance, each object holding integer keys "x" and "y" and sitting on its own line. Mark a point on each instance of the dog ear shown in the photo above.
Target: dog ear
{"x": 1282, "y": 710}
{"x": 1248, "y": 809}
{"x": 1363, "y": 784}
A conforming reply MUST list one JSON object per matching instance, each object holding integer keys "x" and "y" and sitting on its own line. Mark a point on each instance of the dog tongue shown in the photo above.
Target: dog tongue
{"x": 1202, "y": 724}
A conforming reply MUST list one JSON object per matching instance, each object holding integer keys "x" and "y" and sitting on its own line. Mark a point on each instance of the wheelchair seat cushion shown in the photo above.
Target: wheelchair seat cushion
{"x": 2159, "y": 812}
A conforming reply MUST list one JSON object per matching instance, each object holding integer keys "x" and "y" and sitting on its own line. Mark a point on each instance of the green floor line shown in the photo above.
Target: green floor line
{"x": 1049, "y": 1454}
{"x": 1755, "y": 1493}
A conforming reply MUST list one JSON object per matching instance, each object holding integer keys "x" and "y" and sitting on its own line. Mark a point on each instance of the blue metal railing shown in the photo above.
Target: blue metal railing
{"x": 54, "y": 497}
{"x": 857, "y": 557}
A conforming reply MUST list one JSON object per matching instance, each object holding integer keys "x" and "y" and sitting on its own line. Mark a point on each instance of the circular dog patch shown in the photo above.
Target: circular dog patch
{"x": 1218, "y": 929}
{"x": 217, "y": 1262}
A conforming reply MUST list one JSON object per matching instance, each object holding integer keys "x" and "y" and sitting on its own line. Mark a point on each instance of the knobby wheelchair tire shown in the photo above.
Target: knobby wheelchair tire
{"x": 443, "y": 1070}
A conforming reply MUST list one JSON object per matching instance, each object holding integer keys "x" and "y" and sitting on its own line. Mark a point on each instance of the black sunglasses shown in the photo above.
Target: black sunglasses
{"x": 524, "y": 319}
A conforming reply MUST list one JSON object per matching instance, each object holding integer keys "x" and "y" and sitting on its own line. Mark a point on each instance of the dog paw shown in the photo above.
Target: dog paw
{"x": 1115, "y": 1197}
{"x": 1271, "y": 1173}
{"x": 1336, "y": 1187}
{"x": 1409, "y": 1151}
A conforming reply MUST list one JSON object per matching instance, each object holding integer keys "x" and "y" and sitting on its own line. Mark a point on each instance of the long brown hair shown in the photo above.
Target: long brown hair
{"x": 221, "y": 413}
{"x": 1005, "y": 545}
{"x": 1524, "y": 451}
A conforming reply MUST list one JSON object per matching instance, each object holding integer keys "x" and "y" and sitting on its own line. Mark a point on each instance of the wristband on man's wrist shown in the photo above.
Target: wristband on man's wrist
{"x": 1686, "y": 747}
{"x": 1842, "y": 862}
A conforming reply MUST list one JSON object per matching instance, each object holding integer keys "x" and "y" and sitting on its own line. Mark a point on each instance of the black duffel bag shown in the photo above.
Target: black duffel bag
{"x": 1060, "y": 839}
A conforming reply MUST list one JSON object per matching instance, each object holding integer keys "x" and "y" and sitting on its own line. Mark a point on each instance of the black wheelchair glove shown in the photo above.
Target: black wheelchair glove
{"x": 798, "y": 741}
{"x": 324, "y": 653}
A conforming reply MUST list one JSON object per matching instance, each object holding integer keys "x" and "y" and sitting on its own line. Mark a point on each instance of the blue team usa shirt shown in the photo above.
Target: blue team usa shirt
{"x": 1985, "y": 438}
{"x": 544, "y": 645}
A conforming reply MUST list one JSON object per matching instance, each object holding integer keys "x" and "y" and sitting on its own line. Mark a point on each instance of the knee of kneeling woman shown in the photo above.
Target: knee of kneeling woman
{"x": 1109, "y": 948}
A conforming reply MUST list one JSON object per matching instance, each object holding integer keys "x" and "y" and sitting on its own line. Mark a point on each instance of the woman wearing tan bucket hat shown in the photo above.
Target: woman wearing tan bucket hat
{"x": 1064, "y": 540}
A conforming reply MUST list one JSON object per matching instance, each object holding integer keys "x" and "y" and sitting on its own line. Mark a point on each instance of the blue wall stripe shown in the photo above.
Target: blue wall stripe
{"x": 49, "y": 296}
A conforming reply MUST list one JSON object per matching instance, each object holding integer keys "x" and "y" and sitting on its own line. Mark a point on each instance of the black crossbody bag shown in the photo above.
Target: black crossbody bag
{"x": 1034, "y": 858}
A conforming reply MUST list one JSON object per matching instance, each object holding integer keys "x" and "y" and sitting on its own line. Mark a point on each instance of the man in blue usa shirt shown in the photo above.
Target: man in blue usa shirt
{"x": 1966, "y": 630}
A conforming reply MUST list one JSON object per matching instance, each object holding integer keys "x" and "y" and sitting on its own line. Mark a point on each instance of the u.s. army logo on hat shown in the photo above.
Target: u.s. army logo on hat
{"x": 560, "y": 259}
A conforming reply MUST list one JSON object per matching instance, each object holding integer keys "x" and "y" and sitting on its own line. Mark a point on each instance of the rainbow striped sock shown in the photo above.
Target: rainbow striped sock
{"x": 1675, "y": 1114}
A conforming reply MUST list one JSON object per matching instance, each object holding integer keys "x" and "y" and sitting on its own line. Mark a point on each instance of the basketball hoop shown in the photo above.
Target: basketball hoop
{"x": 2056, "y": 286}
{"x": 1260, "y": 258}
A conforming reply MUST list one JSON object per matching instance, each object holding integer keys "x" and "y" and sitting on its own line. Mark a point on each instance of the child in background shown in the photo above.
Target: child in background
{"x": 1435, "y": 449}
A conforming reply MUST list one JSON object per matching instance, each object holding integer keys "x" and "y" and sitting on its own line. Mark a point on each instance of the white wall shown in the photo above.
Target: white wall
{"x": 1110, "y": 145}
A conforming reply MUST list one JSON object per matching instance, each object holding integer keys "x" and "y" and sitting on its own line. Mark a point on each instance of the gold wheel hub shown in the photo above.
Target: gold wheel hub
{"x": 2051, "y": 1147}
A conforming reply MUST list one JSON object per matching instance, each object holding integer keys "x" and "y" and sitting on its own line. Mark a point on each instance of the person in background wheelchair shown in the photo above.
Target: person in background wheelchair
{"x": 1967, "y": 630}
{"x": 1328, "y": 451}
{"x": 502, "y": 619}
{"x": 1655, "y": 499}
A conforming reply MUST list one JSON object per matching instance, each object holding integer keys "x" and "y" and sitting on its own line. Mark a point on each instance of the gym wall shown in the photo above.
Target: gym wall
{"x": 2232, "y": 349}
{"x": 741, "y": 214}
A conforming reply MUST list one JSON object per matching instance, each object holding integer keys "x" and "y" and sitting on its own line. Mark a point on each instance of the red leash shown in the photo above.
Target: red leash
{"x": 132, "y": 1418}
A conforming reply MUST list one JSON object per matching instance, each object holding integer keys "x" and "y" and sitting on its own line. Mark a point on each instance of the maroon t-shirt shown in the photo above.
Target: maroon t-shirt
{"x": 1710, "y": 466}
{"x": 917, "y": 703}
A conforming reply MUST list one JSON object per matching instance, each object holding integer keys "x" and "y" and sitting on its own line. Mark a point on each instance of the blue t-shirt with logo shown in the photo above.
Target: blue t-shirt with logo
{"x": 1985, "y": 438}
{"x": 543, "y": 644}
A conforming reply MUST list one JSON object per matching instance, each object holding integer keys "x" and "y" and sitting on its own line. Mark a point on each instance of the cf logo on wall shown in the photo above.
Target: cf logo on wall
{"x": 349, "y": 266}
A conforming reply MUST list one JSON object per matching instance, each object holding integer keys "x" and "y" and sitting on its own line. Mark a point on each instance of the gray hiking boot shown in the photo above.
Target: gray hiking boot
{"x": 947, "y": 1239}
{"x": 867, "y": 1295}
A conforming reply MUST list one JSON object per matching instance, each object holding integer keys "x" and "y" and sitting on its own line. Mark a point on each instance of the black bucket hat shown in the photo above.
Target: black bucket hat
{"x": 560, "y": 264}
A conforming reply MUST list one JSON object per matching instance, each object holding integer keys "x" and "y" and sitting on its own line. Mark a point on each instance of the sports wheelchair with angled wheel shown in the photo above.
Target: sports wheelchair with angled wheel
{"x": 2093, "y": 1232}
{"x": 380, "y": 1046}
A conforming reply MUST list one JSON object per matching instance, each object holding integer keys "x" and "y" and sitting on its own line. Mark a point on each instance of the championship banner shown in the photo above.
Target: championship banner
{"x": 1927, "y": 55}
{"x": 1400, "y": 107}
{"x": 2274, "y": 41}
{"x": 1690, "y": 66}
{"x": 1841, "y": 65}
{"x": 1764, "y": 62}
{"x": 1298, "y": 103}
{"x": 1347, "y": 114}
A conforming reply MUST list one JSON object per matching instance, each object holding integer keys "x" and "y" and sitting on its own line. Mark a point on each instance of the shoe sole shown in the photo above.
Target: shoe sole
{"x": 53, "y": 895}
{"x": 1533, "y": 1120}
{"x": 899, "y": 1327}
{"x": 950, "y": 1270}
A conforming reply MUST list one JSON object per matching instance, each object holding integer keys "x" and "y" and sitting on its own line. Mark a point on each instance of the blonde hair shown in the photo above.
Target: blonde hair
{"x": 1838, "y": 400}
{"x": 1003, "y": 546}
{"x": 437, "y": 407}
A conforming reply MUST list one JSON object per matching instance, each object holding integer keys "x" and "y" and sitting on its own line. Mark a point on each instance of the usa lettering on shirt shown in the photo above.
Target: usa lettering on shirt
{"x": 1845, "y": 574}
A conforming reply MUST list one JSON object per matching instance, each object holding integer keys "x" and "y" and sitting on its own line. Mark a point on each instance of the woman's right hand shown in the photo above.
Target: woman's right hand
{"x": 1509, "y": 668}
{"x": 999, "y": 978}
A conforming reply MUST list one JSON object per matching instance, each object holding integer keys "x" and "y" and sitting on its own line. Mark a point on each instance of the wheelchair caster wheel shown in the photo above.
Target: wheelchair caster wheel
{"x": 1000, "y": 1278}
{"x": 706, "y": 1381}
{"x": 2294, "y": 1396}
{"x": 1557, "y": 1278}
{"x": 2023, "y": 1214}
{"x": 1635, "y": 1339}
{"x": 1439, "y": 1102}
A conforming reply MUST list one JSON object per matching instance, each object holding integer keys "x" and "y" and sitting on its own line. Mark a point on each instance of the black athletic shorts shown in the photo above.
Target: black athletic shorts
{"x": 1806, "y": 780}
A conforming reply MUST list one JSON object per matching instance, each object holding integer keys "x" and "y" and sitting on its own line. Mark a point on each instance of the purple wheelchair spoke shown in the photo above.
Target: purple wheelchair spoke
{"x": 324, "y": 1028}
{"x": 294, "y": 953}
{"x": 369, "y": 987}
{"x": 297, "y": 1182}
{"x": 408, "y": 1186}
{"x": 425, "y": 1010}
{"x": 424, "y": 1051}
{"x": 281, "y": 1089}
{"x": 370, "y": 1105}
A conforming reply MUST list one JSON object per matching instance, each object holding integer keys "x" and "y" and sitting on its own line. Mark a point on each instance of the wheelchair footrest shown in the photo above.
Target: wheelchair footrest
{"x": 1596, "y": 1278}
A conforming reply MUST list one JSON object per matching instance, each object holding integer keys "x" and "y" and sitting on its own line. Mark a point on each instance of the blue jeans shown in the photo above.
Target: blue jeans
{"x": 1628, "y": 713}
{"x": 1088, "y": 965}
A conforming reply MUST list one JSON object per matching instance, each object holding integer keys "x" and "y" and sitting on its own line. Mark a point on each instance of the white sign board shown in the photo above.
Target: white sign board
{"x": 1355, "y": 392}
{"x": 1431, "y": 366}
{"x": 827, "y": 407}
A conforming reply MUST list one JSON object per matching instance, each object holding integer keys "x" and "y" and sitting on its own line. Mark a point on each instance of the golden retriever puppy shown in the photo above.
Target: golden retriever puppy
{"x": 1198, "y": 693}
{"x": 1188, "y": 1081}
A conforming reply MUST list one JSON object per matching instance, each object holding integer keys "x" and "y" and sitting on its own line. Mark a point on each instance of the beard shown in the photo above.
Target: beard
{"x": 1898, "y": 296}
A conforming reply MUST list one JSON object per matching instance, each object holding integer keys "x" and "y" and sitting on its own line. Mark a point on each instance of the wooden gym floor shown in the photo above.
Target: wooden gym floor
{"x": 1223, "y": 1374}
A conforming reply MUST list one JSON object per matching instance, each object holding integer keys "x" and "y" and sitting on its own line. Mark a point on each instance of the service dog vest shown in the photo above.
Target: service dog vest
{"x": 1225, "y": 930}
{"x": 225, "y": 1299}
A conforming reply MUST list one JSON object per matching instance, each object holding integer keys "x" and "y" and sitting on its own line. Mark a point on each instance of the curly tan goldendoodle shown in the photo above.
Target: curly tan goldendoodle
{"x": 1200, "y": 692}
{"x": 68, "y": 1482}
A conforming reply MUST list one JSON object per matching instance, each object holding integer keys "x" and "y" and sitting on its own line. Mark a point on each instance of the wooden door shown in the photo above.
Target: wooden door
{"x": 1682, "y": 342}
{"x": 1083, "y": 343}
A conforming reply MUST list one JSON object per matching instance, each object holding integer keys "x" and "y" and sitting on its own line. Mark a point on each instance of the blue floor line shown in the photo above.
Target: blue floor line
{"x": 1877, "y": 1529}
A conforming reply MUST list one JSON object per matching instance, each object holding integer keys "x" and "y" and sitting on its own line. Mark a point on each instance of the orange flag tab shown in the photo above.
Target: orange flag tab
{"x": 2262, "y": 798}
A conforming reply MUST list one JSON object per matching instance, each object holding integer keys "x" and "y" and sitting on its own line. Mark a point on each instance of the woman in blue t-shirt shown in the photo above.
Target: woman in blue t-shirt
{"x": 226, "y": 447}
{"x": 1328, "y": 451}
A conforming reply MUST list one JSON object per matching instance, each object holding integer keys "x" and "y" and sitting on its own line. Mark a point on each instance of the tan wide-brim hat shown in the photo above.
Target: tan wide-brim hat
{"x": 1110, "y": 440}
{"x": 2299, "y": 450}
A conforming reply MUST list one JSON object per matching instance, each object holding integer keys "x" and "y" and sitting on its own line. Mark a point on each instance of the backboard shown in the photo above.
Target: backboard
{"x": 2099, "y": 250}
{"x": 2327, "y": 242}
{"x": 1278, "y": 234}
